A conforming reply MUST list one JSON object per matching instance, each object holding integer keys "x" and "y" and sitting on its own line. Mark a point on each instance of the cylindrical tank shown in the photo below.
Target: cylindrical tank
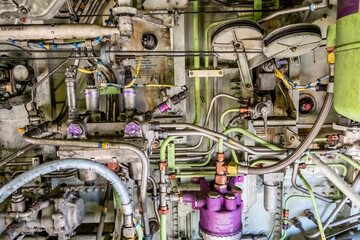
{"x": 347, "y": 60}
{"x": 92, "y": 99}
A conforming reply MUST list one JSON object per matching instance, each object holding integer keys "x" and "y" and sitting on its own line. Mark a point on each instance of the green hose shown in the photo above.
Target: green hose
{"x": 162, "y": 227}
{"x": 313, "y": 200}
{"x": 196, "y": 64}
{"x": 348, "y": 160}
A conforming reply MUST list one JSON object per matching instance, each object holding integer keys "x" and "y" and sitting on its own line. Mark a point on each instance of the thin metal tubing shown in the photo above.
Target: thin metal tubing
{"x": 207, "y": 119}
{"x": 303, "y": 190}
{"x": 16, "y": 154}
{"x": 335, "y": 212}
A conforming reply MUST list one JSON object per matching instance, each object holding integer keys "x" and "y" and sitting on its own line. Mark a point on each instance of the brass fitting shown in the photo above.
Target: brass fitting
{"x": 163, "y": 210}
{"x": 232, "y": 168}
{"x": 172, "y": 176}
{"x": 162, "y": 166}
{"x": 331, "y": 57}
{"x": 286, "y": 214}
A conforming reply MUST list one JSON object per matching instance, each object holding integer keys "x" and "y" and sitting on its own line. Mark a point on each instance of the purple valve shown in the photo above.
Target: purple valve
{"x": 74, "y": 130}
{"x": 132, "y": 128}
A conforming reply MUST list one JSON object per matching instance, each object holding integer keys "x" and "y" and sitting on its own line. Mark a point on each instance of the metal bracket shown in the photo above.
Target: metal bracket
{"x": 206, "y": 73}
{"x": 243, "y": 65}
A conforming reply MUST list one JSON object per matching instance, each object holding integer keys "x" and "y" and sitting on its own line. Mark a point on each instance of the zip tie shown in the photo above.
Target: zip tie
{"x": 122, "y": 85}
{"x": 100, "y": 62}
{"x": 76, "y": 45}
{"x": 55, "y": 47}
{"x": 99, "y": 39}
{"x": 41, "y": 44}
{"x": 133, "y": 77}
{"x": 227, "y": 139}
{"x": 319, "y": 80}
{"x": 110, "y": 10}
{"x": 12, "y": 41}
{"x": 109, "y": 84}
{"x": 295, "y": 84}
{"x": 309, "y": 86}
{"x": 47, "y": 46}
{"x": 135, "y": 85}
{"x": 99, "y": 75}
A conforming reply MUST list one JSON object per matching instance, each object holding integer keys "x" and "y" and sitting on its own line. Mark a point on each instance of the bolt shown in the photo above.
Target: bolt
{"x": 24, "y": 11}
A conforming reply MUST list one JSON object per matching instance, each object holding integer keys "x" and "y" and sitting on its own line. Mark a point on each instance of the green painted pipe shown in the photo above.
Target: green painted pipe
{"x": 227, "y": 111}
{"x": 162, "y": 227}
{"x": 316, "y": 211}
{"x": 348, "y": 160}
{"x": 164, "y": 144}
{"x": 196, "y": 63}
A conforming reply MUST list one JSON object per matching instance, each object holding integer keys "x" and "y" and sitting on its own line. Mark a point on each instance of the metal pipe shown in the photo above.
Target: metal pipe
{"x": 33, "y": 89}
{"x": 208, "y": 133}
{"x": 196, "y": 146}
{"x": 303, "y": 190}
{"x": 63, "y": 31}
{"x": 16, "y": 154}
{"x": 97, "y": 10}
{"x": 298, "y": 152}
{"x": 312, "y": 7}
{"x": 28, "y": 137}
{"x": 335, "y": 211}
{"x": 103, "y": 213}
{"x": 155, "y": 198}
{"x": 337, "y": 181}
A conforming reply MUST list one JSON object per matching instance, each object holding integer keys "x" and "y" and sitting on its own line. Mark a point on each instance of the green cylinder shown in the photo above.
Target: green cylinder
{"x": 347, "y": 60}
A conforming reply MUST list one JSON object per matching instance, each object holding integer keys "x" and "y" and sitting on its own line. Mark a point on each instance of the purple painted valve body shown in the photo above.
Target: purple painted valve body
{"x": 221, "y": 215}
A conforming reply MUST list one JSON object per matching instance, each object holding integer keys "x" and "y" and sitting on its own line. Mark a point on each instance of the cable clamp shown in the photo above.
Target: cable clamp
{"x": 330, "y": 87}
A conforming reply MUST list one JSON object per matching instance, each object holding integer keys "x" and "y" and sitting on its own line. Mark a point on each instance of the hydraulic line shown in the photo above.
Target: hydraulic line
{"x": 230, "y": 110}
{"x": 28, "y": 137}
{"x": 348, "y": 160}
{"x": 155, "y": 198}
{"x": 296, "y": 154}
{"x": 207, "y": 118}
{"x": 16, "y": 154}
{"x": 103, "y": 212}
{"x": 211, "y": 134}
{"x": 196, "y": 64}
{"x": 337, "y": 181}
{"x": 63, "y": 164}
{"x": 163, "y": 227}
{"x": 303, "y": 190}
{"x": 327, "y": 223}
{"x": 313, "y": 200}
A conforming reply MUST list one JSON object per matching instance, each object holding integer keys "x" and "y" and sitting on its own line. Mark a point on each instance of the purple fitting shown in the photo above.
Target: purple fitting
{"x": 163, "y": 107}
{"x": 221, "y": 216}
{"x": 285, "y": 227}
{"x": 131, "y": 129}
{"x": 214, "y": 201}
{"x": 230, "y": 202}
{"x": 74, "y": 130}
